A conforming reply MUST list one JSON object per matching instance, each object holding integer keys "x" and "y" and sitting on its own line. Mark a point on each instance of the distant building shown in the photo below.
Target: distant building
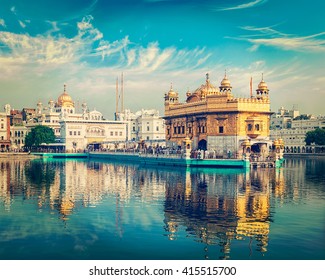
{"x": 217, "y": 121}
{"x": 145, "y": 125}
{"x": 78, "y": 134}
{"x": 294, "y": 136}
{"x": 17, "y": 136}
{"x": 283, "y": 118}
{"x": 16, "y": 117}
{"x": 5, "y": 143}
{"x": 28, "y": 114}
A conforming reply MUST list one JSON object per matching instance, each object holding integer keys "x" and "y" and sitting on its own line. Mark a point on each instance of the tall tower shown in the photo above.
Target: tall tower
{"x": 225, "y": 86}
{"x": 39, "y": 108}
{"x": 262, "y": 91}
{"x": 171, "y": 97}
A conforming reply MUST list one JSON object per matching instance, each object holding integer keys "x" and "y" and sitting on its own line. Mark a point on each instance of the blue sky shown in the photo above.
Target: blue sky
{"x": 88, "y": 43}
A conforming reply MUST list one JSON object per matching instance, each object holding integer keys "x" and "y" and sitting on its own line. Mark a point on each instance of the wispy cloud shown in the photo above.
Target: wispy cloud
{"x": 88, "y": 62}
{"x": 89, "y": 44}
{"x": 268, "y": 36}
{"x": 244, "y": 6}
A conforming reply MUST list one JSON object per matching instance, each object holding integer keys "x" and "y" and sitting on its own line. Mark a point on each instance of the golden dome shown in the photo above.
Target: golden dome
{"x": 246, "y": 143}
{"x": 207, "y": 88}
{"x": 65, "y": 99}
{"x": 225, "y": 82}
{"x": 262, "y": 85}
{"x": 171, "y": 92}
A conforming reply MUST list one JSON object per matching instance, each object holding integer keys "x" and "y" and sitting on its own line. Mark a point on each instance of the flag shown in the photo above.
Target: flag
{"x": 251, "y": 87}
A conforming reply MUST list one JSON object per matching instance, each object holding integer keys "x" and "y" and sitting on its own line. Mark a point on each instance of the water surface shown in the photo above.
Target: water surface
{"x": 80, "y": 209}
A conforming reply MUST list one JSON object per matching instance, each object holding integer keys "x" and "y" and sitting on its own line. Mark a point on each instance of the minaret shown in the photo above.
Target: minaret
{"x": 122, "y": 93}
{"x": 171, "y": 97}
{"x": 262, "y": 91}
{"x": 7, "y": 109}
{"x": 39, "y": 108}
{"x": 116, "y": 99}
{"x": 51, "y": 105}
{"x": 225, "y": 86}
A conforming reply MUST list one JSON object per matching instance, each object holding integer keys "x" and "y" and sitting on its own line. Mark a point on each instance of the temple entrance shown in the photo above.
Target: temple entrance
{"x": 202, "y": 145}
{"x": 256, "y": 148}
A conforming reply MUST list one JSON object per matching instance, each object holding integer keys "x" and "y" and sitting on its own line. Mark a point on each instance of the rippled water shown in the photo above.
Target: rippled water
{"x": 79, "y": 209}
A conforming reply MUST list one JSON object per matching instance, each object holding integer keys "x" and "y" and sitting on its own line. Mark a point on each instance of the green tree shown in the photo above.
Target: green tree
{"x": 316, "y": 136}
{"x": 302, "y": 117}
{"x": 38, "y": 135}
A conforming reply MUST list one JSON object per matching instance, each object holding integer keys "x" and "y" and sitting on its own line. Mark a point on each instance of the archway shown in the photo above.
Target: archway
{"x": 202, "y": 145}
{"x": 256, "y": 148}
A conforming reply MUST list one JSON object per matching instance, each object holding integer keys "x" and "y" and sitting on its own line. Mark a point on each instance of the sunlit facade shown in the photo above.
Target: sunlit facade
{"x": 215, "y": 120}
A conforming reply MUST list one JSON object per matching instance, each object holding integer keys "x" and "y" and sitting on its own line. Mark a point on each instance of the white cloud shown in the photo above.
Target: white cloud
{"x": 244, "y": 6}
{"x": 37, "y": 67}
{"x": 268, "y": 36}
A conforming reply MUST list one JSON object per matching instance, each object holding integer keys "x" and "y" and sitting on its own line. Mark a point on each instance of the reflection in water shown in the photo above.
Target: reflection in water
{"x": 218, "y": 208}
{"x": 221, "y": 209}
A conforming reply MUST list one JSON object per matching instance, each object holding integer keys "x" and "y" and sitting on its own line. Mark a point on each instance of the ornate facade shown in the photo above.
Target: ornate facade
{"x": 217, "y": 121}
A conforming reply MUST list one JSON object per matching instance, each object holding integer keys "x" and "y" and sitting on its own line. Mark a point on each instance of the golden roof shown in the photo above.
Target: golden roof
{"x": 225, "y": 82}
{"x": 65, "y": 99}
{"x": 207, "y": 88}
{"x": 262, "y": 85}
{"x": 171, "y": 92}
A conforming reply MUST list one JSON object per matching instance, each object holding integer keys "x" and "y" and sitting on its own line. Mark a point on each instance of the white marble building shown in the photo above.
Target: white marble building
{"x": 145, "y": 125}
{"x": 75, "y": 131}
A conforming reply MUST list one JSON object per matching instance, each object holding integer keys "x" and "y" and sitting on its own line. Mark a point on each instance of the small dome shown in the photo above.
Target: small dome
{"x": 246, "y": 143}
{"x": 262, "y": 85}
{"x": 225, "y": 82}
{"x": 65, "y": 99}
{"x": 171, "y": 92}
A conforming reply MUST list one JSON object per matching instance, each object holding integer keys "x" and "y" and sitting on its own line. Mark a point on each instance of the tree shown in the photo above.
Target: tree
{"x": 38, "y": 135}
{"x": 302, "y": 117}
{"x": 316, "y": 136}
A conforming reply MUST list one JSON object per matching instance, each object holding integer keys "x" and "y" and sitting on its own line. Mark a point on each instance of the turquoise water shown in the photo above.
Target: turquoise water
{"x": 78, "y": 209}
